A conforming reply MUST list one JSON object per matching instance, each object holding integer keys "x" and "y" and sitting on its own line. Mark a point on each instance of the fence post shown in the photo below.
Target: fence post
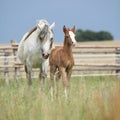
{"x": 118, "y": 60}
{"x": 6, "y": 71}
{"x": 14, "y": 45}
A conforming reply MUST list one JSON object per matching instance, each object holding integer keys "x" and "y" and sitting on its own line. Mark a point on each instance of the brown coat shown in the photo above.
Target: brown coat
{"x": 61, "y": 59}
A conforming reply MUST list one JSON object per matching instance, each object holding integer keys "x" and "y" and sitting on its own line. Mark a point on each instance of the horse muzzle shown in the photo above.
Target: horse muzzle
{"x": 45, "y": 55}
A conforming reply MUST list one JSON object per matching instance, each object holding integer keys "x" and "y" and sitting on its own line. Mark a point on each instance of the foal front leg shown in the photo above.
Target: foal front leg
{"x": 65, "y": 81}
{"x": 69, "y": 73}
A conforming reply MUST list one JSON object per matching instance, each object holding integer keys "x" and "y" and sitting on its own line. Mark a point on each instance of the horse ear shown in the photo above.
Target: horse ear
{"x": 73, "y": 29}
{"x": 52, "y": 25}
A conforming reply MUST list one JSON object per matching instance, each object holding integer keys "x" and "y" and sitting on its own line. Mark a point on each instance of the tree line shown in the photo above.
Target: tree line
{"x": 89, "y": 35}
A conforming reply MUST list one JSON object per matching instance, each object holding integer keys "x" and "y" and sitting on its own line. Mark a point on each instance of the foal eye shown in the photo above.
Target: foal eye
{"x": 51, "y": 39}
{"x": 67, "y": 35}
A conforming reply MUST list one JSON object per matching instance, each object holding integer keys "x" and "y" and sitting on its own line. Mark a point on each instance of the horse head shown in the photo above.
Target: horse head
{"x": 45, "y": 37}
{"x": 69, "y": 35}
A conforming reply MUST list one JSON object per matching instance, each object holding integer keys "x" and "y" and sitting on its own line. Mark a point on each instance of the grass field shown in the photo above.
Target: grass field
{"x": 90, "y": 98}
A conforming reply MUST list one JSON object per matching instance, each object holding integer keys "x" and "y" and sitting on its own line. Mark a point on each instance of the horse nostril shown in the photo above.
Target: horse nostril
{"x": 43, "y": 54}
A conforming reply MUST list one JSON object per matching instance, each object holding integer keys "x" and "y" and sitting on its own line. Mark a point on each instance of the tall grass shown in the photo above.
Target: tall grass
{"x": 90, "y": 98}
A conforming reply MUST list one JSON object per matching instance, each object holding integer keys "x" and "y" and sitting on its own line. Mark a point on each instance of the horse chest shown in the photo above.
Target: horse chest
{"x": 36, "y": 58}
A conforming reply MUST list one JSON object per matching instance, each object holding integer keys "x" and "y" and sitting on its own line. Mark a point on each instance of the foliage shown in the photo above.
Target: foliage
{"x": 89, "y": 99}
{"x": 90, "y": 35}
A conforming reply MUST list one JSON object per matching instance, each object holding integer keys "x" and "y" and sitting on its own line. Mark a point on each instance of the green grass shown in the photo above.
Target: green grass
{"x": 89, "y": 97}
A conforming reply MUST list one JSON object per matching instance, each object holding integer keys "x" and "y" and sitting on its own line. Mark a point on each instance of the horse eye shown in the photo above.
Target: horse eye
{"x": 51, "y": 42}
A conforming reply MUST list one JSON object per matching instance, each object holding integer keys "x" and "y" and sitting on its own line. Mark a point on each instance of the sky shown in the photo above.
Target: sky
{"x": 19, "y": 16}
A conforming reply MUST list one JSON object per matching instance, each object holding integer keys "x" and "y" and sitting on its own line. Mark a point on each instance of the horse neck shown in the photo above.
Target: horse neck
{"x": 67, "y": 48}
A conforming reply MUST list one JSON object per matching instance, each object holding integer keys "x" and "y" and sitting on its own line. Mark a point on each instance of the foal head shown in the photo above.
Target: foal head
{"x": 45, "y": 37}
{"x": 69, "y": 36}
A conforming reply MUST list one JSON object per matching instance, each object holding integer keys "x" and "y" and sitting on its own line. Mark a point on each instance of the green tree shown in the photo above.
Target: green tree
{"x": 79, "y": 35}
{"x": 103, "y": 35}
{"x": 90, "y": 35}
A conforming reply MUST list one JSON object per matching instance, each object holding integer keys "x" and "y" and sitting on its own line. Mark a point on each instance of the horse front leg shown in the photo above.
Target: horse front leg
{"x": 28, "y": 74}
{"x": 43, "y": 74}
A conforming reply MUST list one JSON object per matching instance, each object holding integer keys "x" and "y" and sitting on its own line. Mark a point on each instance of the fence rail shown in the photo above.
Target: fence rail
{"x": 89, "y": 60}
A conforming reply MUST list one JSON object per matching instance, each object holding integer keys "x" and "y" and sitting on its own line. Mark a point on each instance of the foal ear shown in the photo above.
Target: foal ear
{"x": 64, "y": 29}
{"x": 73, "y": 29}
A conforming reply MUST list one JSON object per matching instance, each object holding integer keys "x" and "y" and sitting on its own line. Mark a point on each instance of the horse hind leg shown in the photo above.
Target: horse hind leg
{"x": 28, "y": 75}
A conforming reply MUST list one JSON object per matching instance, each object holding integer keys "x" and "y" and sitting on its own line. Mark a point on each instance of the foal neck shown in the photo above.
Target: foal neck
{"x": 67, "y": 47}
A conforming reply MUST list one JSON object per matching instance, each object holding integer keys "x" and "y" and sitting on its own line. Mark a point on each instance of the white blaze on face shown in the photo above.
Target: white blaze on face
{"x": 72, "y": 35}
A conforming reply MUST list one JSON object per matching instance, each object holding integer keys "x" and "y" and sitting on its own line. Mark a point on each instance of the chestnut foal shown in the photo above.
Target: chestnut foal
{"x": 61, "y": 60}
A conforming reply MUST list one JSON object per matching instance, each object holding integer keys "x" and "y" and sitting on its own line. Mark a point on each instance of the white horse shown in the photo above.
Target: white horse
{"x": 34, "y": 49}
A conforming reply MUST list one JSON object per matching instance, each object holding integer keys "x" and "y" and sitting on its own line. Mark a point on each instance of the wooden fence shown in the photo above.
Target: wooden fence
{"x": 90, "y": 60}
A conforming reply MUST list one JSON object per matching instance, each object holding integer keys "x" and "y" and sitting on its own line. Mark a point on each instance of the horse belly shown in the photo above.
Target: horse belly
{"x": 36, "y": 61}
